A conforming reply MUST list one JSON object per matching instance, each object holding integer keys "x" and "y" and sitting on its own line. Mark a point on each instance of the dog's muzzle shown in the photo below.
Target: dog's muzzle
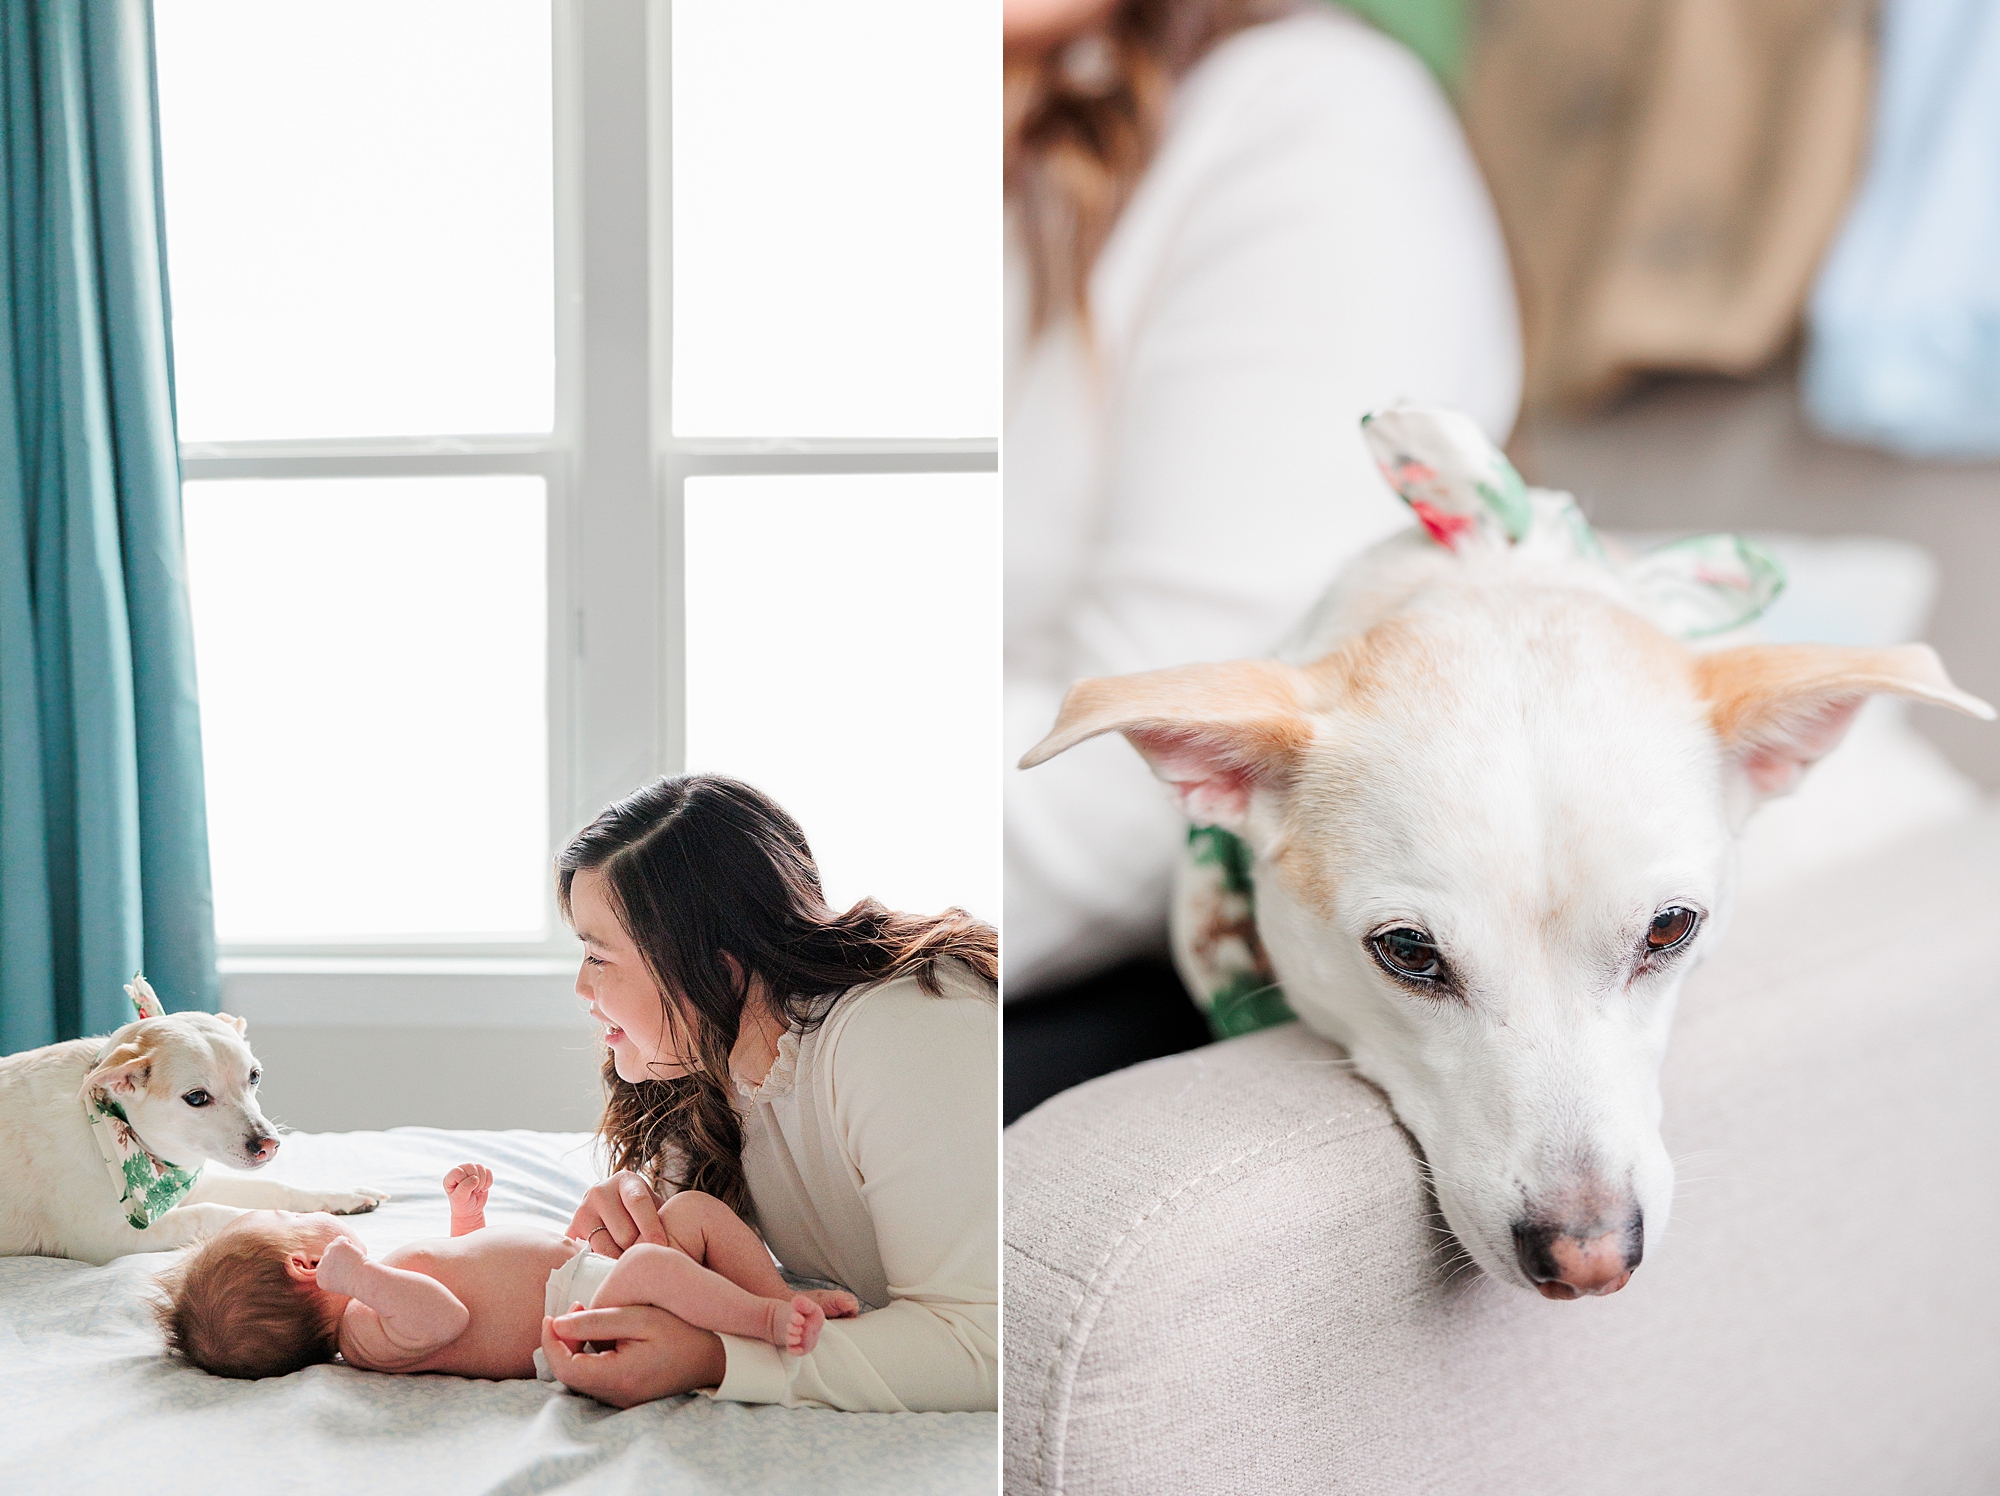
{"x": 1569, "y": 1263}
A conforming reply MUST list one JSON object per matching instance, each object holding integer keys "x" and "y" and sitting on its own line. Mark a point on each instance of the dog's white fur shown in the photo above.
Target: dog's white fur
{"x": 1495, "y": 749}
{"x": 56, "y": 1197}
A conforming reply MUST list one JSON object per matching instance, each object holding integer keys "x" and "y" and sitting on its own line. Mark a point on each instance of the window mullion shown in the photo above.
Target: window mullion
{"x": 615, "y": 561}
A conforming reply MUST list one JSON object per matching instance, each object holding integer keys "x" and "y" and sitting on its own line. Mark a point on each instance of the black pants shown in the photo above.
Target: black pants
{"x": 1133, "y": 1012}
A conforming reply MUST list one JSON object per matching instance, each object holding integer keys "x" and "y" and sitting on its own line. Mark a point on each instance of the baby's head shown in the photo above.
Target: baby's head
{"x": 247, "y": 1302}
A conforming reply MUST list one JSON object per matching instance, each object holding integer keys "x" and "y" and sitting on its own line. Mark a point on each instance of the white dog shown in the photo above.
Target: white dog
{"x": 1490, "y": 803}
{"x": 106, "y": 1139}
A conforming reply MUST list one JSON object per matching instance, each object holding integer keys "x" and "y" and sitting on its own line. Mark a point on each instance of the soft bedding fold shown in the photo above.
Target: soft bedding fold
{"x": 88, "y": 1400}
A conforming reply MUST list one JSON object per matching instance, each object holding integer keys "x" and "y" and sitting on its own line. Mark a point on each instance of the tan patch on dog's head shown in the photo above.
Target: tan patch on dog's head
{"x": 1652, "y": 650}
{"x": 133, "y": 1064}
{"x": 1409, "y": 677}
{"x": 1309, "y": 873}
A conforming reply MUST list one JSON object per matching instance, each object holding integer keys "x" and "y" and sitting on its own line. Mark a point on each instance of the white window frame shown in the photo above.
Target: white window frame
{"x": 615, "y": 476}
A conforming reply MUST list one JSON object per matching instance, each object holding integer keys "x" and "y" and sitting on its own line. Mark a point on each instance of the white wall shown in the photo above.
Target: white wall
{"x": 358, "y": 1050}
{"x": 347, "y": 1079}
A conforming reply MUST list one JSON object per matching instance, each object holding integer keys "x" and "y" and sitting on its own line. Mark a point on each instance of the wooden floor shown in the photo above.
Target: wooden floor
{"x": 1710, "y": 454}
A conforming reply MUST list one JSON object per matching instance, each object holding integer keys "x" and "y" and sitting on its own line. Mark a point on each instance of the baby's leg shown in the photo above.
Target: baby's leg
{"x": 670, "y": 1279}
{"x": 722, "y": 1241}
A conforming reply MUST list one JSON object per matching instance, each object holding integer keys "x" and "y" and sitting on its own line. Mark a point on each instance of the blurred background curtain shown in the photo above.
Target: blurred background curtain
{"x": 103, "y": 831}
{"x": 1668, "y": 172}
{"x": 1905, "y": 320}
{"x": 1433, "y": 29}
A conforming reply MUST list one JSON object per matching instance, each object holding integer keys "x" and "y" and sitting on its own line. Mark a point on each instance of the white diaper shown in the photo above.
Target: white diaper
{"x": 575, "y": 1282}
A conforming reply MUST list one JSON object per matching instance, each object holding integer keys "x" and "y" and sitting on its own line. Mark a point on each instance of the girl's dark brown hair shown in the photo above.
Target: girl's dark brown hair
{"x": 1083, "y": 121}
{"x": 699, "y": 867}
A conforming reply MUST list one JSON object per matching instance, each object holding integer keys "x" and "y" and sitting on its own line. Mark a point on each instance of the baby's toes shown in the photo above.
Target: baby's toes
{"x": 807, "y": 1321}
{"x": 837, "y": 1303}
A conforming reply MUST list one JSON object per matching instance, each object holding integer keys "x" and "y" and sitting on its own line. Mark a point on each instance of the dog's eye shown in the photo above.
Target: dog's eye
{"x": 256, "y": 1076}
{"x": 197, "y": 1098}
{"x": 1670, "y": 929}
{"x": 1407, "y": 952}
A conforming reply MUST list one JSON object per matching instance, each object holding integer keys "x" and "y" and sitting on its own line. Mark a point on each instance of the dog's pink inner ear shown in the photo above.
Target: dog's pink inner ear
{"x": 1779, "y": 708}
{"x": 1213, "y": 731}
{"x": 1777, "y": 759}
{"x": 1206, "y": 771}
{"x": 233, "y": 1021}
{"x": 127, "y": 1067}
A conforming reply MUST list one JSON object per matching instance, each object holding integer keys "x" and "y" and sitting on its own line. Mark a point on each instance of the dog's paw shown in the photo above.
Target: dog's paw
{"x": 351, "y": 1202}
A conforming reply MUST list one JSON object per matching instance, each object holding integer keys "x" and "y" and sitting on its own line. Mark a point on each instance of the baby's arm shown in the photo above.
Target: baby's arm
{"x": 466, "y": 1186}
{"x": 395, "y": 1316}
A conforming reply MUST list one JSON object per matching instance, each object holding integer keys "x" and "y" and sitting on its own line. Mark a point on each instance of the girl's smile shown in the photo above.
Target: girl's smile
{"x": 619, "y": 986}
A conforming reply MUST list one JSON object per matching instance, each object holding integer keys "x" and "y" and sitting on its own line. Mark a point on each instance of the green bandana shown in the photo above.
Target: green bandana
{"x": 148, "y": 1186}
{"x": 1468, "y": 497}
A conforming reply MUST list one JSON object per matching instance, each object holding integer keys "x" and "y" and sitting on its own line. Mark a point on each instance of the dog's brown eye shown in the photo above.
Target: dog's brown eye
{"x": 1670, "y": 928}
{"x": 1408, "y": 953}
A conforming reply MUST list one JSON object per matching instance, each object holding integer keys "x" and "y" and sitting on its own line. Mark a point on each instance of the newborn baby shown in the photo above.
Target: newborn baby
{"x": 275, "y": 1291}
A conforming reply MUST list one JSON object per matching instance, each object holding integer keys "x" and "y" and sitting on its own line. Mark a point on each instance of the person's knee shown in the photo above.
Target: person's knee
{"x": 650, "y": 1255}
{"x": 687, "y": 1217}
{"x": 692, "y": 1205}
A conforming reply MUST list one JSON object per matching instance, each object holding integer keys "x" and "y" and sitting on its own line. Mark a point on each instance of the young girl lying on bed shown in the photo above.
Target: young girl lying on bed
{"x": 275, "y": 1291}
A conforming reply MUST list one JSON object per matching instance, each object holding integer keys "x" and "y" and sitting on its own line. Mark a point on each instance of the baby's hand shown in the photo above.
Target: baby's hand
{"x": 468, "y": 1185}
{"x": 339, "y": 1263}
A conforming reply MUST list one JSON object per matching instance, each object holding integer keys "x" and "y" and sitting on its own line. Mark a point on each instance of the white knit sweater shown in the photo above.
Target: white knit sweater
{"x": 1311, "y": 242}
{"x": 872, "y": 1154}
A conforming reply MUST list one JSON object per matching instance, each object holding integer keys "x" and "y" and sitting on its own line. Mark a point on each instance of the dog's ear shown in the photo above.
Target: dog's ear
{"x": 233, "y": 1021}
{"x": 1779, "y": 708}
{"x": 1214, "y": 732}
{"x": 125, "y": 1069}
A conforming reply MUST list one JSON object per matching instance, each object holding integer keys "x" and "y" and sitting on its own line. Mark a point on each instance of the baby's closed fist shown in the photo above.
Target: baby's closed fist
{"x": 339, "y": 1263}
{"x": 468, "y": 1185}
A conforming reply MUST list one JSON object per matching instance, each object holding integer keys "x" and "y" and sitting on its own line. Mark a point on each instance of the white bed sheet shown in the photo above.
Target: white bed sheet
{"x": 90, "y": 1403}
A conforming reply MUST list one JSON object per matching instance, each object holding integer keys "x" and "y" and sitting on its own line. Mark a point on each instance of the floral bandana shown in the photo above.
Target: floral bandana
{"x": 148, "y": 1187}
{"x": 1468, "y": 496}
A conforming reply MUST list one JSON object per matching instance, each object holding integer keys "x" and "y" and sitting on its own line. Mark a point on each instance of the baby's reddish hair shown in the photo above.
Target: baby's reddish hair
{"x": 233, "y": 1309}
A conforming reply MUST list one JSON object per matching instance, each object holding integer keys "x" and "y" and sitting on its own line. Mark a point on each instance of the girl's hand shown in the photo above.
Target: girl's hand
{"x": 617, "y": 1213}
{"x": 652, "y": 1354}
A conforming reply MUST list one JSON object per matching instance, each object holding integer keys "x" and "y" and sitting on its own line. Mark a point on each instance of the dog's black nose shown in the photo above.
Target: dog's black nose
{"x": 1566, "y": 1262}
{"x": 260, "y": 1148}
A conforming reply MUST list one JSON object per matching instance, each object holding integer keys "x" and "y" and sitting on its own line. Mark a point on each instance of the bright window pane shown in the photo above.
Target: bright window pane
{"x": 359, "y": 216}
{"x": 372, "y": 653}
{"x": 836, "y": 218}
{"x": 843, "y": 655}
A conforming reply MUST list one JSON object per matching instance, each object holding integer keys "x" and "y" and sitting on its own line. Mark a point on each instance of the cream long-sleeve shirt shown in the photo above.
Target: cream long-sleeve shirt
{"x": 872, "y": 1155}
{"x": 1311, "y": 242}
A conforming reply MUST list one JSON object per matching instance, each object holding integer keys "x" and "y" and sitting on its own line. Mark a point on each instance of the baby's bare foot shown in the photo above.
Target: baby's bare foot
{"x": 837, "y": 1303}
{"x": 795, "y": 1326}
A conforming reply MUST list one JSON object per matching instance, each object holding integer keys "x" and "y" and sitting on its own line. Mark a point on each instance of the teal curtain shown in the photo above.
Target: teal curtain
{"x": 103, "y": 829}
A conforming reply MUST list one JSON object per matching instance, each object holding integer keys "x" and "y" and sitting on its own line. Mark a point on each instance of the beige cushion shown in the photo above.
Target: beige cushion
{"x": 1221, "y": 1276}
